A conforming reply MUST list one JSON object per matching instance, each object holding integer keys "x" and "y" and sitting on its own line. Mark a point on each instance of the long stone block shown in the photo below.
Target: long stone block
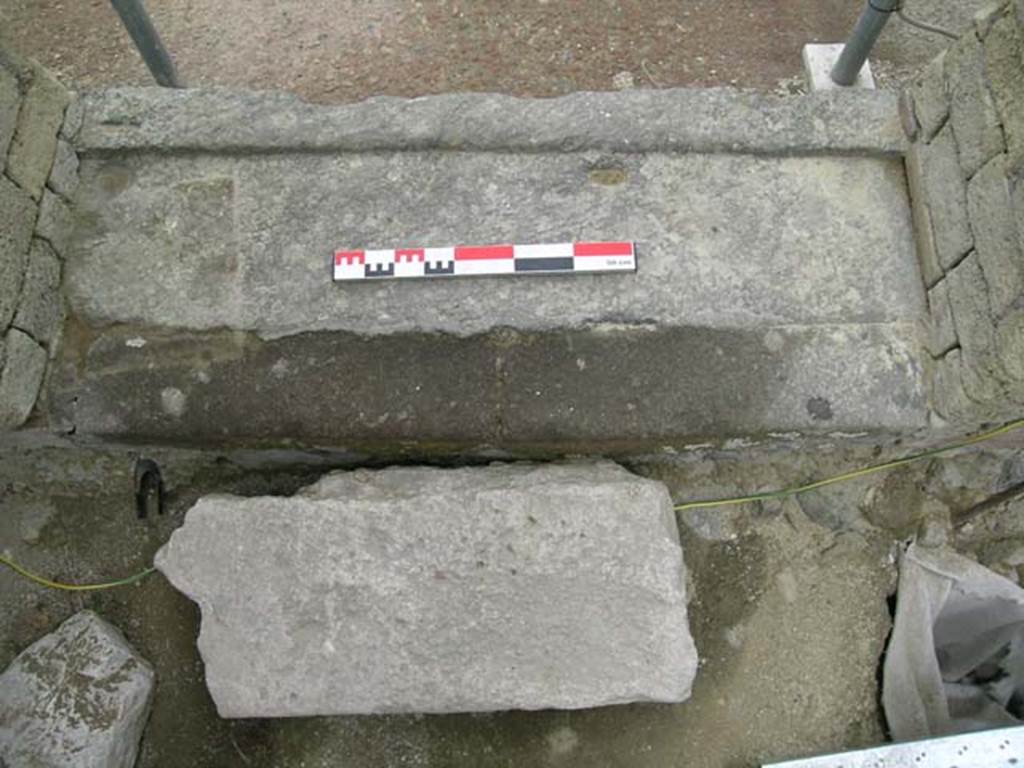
{"x": 77, "y": 698}
{"x": 1004, "y": 70}
{"x": 989, "y": 200}
{"x": 215, "y": 241}
{"x": 10, "y": 102}
{"x": 23, "y": 367}
{"x": 640, "y": 120}
{"x": 35, "y": 137}
{"x": 17, "y": 219}
{"x": 972, "y": 111}
{"x": 931, "y": 106}
{"x": 425, "y": 590}
{"x": 946, "y": 193}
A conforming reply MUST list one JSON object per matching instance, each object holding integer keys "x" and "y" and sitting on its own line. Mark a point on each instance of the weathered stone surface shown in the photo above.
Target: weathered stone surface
{"x": 948, "y": 395}
{"x": 20, "y": 378}
{"x": 64, "y": 175}
{"x": 924, "y": 235}
{"x": 972, "y": 112}
{"x": 10, "y": 101}
{"x": 35, "y": 137}
{"x": 942, "y": 333}
{"x": 39, "y": 310}
{"x": 988, "y": 15}
{"x": 426, "y": 590}
{"x": 996, "y": 239}
{"x": 968, "y": 297}
{"x": 77, "y": 698}
{"x": 946, "y": 194}
{"x": 17, "y": 218}
{"x": 931, "y": 106}
{"x": 615, "y": 390}
{"x": 1004, "y": 69}
{"x": 73, "y": 117}
{"x": 55, "y": 222}
{"x": 206, "y": 242}
{"x": 1010, "y": 343}
{"x": 641, "y": 120}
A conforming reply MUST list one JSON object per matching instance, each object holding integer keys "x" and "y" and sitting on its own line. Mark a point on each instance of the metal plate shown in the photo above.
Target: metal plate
{"x": 1002, "y": 748}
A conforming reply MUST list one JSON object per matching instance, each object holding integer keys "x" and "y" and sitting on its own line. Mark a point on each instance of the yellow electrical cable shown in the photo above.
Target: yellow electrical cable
{"x": 43, "y": 581}
{"x": 854, "y": 474}
{"x": 1013, "y": 425}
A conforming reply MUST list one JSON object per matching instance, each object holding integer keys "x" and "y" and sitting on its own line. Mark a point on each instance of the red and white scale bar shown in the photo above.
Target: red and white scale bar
{"x": 546, "y": 259}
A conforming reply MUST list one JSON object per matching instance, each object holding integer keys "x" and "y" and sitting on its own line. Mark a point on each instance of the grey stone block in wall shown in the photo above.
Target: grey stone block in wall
{"x": 1010, "y": 345}
{"x": 1004, "y": 70}
{"x": 931, "y": 105}
{"x": 10, "y": 101}
{"x": 854, "y": 121}
{"x": 972, "y": 111}
{"x": 948, "y": 396}
{"x": 996, "y": 239}
{"x": 64, "y": 175}
{"x": 946, "y": 196}
{"x": 924, "y": 236}
{"x": 35, "y": 138}
{"x": 968, "y": 297}
{"x": 942, "y": 333}
{"x": 55, "y": 222}
{"x": 17, "y": 219}
{"x": 39, "y": 310}
{"x": 22, "y": 374}
{"x": 429, "y": 590}
{"x": 77, "y": 698}
{"x": 988, "y": 15}
{"x": 980, "y": 381}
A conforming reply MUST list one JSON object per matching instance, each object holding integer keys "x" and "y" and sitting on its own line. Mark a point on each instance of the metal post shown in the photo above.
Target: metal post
{"x": 858, "y": 47}
{"x": 140, "y": 27}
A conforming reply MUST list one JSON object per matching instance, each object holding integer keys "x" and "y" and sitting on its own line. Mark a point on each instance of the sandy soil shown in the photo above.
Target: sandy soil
{"x": 346, "y": 50}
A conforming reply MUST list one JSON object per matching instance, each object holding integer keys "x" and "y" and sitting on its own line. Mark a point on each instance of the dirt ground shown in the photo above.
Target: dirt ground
{"x": 788, "y": 609}
{"x": 346, "y": 50}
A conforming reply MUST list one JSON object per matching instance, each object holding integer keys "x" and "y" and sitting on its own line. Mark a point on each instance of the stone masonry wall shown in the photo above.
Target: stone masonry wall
{"x": 38, "y": 174}
{"x": 964, "y": 116}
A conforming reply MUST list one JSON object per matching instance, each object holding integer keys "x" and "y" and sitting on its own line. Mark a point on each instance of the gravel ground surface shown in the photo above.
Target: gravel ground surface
{"x": 347, "y": 50}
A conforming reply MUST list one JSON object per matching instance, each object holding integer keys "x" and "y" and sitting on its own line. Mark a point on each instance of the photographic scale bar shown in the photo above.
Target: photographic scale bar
{"x": 463, "y": 260}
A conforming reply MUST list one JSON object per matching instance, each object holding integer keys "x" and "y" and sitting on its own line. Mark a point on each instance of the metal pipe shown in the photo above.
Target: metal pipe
{"x": 858, "y": 47}
{"x": 140, "y": 27}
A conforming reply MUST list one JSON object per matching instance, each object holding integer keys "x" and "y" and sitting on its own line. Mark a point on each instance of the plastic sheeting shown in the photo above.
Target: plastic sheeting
{"x": 955, "y": 661}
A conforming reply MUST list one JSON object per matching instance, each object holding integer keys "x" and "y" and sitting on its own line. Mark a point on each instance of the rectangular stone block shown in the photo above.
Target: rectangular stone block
{"x": 972, "y": 111}
{"x": 77, "y": 698}
{"x": 968, "y": 297}
{"x": 429, "y": 590}
{"x": 924, "y": 236}
{"x": 941, "y": 335}
{"x": 20, "y": 378}
{"x": 64, "y": 175}
{"x": 35, "y": 136}
{"x": 55, "y": 222}
{"x": 10, "y": 101}
{"x": 17, "y": 218}
{"x": 931, "y": 105}
{"x": 39, "y": 310}
{"x": 996, "y": 240}
{"x": 946, "y": 195}
{"x": 1004, "y": 72}
{"x": 988, "y": 15}
{"x": 948, "y": 395}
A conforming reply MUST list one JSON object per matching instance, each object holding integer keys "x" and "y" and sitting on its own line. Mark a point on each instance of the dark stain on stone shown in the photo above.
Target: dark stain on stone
{"x": 608, "y": 177}
{"x": 819, "y": 408}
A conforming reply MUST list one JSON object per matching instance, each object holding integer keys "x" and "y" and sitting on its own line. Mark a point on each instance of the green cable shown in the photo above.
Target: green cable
{"x": 779, "y": 494}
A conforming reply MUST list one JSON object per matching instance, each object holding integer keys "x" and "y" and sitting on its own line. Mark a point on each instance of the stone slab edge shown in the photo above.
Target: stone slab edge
{"x": 692, "y": 120}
